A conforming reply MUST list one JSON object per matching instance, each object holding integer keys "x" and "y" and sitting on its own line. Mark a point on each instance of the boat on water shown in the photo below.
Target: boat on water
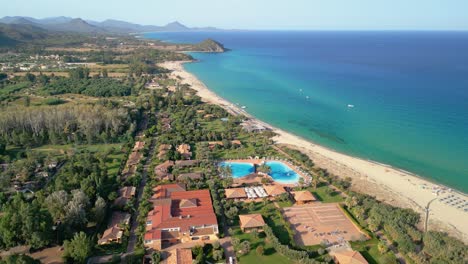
{"x": 350, "y": 106}
{"x": 244, "y": 107}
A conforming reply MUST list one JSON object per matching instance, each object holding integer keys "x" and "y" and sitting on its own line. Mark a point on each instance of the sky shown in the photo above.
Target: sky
{"x": 259, "y": 14}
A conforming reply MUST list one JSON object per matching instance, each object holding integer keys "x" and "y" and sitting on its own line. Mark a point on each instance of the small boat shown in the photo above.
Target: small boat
{"x": 350, "y": 106}
{"x": 244, "y": 107}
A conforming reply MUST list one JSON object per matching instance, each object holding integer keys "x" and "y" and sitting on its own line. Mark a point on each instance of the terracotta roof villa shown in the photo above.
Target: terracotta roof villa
{"x": 134, "y": 158}
{"x": 180, "y": 216}
{"x": 179, "y": 256}
{"x": 114, "y": 233}
{"x": 274, "y": 190}
{"x": 235, "y": 193}
{"x": 125, "y": 194}
{"x": 184, "y": 150}
{"x": 162, "y": 170}
{"x": 347, "y": 256}
{"x": 139, "y": 145}
{"x": 303, "y": 197}
{"x": 251, "y": 221}
{"x": 111, "y": 235}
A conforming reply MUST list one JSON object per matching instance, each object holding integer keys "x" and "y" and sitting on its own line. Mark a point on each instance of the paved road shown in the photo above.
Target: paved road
{"x": 132, "y": 240}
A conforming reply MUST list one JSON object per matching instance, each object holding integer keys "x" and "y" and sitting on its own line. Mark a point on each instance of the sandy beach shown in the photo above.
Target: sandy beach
{"x": 388, "y": 184}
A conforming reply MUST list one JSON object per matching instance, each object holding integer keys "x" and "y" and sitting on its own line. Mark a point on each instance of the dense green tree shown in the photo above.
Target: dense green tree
{"x": 19, "y": 259}
{"x": 77, "y": 249}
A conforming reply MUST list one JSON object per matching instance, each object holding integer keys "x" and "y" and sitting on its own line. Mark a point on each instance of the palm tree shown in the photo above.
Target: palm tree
{"x": 264, "y": 169}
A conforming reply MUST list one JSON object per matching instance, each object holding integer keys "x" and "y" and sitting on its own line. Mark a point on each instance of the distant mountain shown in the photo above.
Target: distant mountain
{"x": 88, "y": 26}
{"x": 175, "y": 26}
{"x": 11, "y": 34}
{"x": 75, "y": 25}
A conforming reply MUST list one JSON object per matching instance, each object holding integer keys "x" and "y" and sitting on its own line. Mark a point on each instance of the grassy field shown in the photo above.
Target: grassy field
{"x": 269, "y": 256}
{"x": 369, "y": 250}
{"x": 113, "y": 159}
{"x": 321, "y": 194}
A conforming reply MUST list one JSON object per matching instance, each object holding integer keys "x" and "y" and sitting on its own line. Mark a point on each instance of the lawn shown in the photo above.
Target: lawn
{"x": 269, "y": 256}
{"x": 369, "y": 250}
{"x": 113, "y": 159}
{"x": 321, "y": 194}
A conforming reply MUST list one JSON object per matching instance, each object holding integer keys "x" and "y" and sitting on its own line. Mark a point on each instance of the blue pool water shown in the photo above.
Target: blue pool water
{"x": 282, "y": 173}
{"x": 239, "y": 169}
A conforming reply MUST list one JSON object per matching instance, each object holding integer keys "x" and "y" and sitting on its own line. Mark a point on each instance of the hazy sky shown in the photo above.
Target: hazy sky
{"x": 259, "y": 14}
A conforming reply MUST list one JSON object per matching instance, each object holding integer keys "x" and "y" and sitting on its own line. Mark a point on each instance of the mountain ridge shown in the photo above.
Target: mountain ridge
{"x": 62, "y": 23}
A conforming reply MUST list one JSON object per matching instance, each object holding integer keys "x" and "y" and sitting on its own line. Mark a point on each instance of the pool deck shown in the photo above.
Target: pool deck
{"x": 249, "y": 179}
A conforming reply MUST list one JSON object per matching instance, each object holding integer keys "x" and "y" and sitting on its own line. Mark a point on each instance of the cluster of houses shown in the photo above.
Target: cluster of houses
{"x": 133, "y": 160}
{"x": 119, "y": 219}
{"x": 163, "y": 170}
{"x": 40, "y": 172}
{"x": 213, "y": 144}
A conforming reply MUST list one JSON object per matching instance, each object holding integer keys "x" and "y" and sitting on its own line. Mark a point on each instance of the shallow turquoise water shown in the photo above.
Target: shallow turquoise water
{"x": 409, "y": 91}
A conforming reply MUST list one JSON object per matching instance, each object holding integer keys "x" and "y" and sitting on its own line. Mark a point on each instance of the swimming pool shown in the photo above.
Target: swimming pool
{"x": 239, "y": 169}
{"x": 280, "y": 172}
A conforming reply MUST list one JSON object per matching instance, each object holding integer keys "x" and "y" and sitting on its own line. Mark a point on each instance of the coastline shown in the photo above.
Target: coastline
{"x": 386, "y": 183}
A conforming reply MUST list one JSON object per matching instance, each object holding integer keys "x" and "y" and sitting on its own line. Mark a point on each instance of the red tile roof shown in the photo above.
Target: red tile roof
{"x": 168, "y": 213}
{"x": 251, "y": 221}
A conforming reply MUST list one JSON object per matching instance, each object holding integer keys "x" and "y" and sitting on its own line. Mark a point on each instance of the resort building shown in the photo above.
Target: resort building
{"x": 274, "y": 190}
{"x": 235, "y": 193}
{"x": 162, "y": 170}
{"x": 253, "y": 126}
{"x": 251, "y": 222}
{"x": 180, "y": 216}
{"x": 178, "y": 256}
{"x": 303, "y": 197}
{"x": 347, "y": 256}
{"x": 184, "y": 150}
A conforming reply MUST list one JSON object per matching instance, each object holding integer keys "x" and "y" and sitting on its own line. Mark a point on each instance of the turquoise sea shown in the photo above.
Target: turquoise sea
{"x": 409, "y": 91}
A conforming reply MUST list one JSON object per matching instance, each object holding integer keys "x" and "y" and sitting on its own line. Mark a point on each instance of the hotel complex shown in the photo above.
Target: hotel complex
{"x": 180, "y": 216}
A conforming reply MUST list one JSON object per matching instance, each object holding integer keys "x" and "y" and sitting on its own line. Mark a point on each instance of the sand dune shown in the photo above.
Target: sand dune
{"x": 388, "y": 184}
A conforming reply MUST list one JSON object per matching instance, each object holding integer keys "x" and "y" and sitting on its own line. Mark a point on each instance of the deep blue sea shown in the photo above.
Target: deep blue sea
{"x": 409, "y": 91}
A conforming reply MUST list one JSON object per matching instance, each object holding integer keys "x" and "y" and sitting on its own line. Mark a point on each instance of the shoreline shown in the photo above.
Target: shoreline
{"x": 388, "y": 184}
